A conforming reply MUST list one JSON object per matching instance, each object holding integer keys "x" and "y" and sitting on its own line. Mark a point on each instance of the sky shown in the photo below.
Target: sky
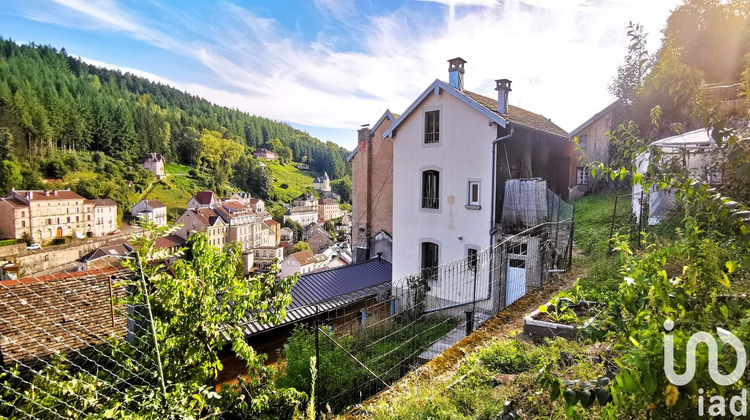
{"x": 329, "y": 66}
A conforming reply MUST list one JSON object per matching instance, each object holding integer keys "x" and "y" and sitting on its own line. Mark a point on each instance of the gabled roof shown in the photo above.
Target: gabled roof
{"x": 518, "y": 116}
{"x": 333, "y": 288}
{"x": 303, "y": 257}
{"x": 485, "y": 106}
{"x": 170, "y": 241}
{"x": 439, "y": 86}
{"x": 596, "y": 116}
{"x": 205, "y": 197}
{"x": 14, "y": 202}
{"x": 103, "y": 202}
{"x": 154, "y": 204}
{"x": 154, "y": 157}
{"x": 208, "y": 217}
{"x": 117, "y": 250}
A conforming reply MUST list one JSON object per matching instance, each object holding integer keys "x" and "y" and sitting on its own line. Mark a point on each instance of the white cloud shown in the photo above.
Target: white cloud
{"x": 560, "y": 55}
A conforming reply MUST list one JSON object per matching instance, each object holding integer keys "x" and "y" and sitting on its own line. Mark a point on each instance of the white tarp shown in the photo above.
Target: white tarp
{"x": 693, "y": 149}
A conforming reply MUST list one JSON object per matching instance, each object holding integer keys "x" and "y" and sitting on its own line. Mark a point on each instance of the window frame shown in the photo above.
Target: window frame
{"x": 474, "y": 204}
{"x": 434, "y": 187}
{"x": 582, "y": 175}
{"x": 429, "y": 271}
{"x": 431, "y": 127}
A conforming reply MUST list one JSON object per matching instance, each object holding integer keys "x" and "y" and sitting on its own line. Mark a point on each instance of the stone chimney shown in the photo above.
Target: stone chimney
{"x": 502, "y": 88}
{"x": 456, "y": 73}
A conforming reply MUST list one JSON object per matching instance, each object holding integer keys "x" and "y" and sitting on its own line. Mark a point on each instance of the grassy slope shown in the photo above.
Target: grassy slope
{"x": 472, "y": 391}
{"x": 297, "y": 180}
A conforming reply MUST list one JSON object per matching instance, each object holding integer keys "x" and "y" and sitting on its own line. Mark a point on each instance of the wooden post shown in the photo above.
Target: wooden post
{"x": 612, "y": 226}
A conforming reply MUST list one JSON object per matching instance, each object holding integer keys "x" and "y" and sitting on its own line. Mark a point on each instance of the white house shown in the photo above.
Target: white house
{"x": 151, "y": 210}
{"x": 301, "y": 262}
{"x": 154, "y": 162}
{"x": 322, "y": 183}
{"x": 453, "y": 150}
{"x": 105, "y": 216}
{"x": 302, "y": 215}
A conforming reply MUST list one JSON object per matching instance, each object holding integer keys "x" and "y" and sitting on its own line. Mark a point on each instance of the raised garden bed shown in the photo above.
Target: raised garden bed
{"x": 559, "y": 321}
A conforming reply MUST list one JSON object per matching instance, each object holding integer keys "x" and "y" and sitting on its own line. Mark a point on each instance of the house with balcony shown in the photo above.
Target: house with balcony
{"x": 453, "y": 151}
{"x": 152, "y": 210}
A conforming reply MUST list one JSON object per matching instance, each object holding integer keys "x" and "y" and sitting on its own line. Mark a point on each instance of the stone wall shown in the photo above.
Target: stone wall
{"x": 54, "y": 257}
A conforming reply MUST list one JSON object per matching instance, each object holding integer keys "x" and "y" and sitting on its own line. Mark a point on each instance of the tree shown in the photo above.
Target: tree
{"x": 343, "y": 187}
{"x": 6, "y": 143}
{"x": 10, "y": 176}
{"x": 632, "y": 72}
{"x": 302, "y": 246}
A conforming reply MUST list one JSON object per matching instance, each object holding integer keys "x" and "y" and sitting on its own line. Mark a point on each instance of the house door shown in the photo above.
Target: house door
{"x": 59, "y": 232}
{"x": 515, "y": 283}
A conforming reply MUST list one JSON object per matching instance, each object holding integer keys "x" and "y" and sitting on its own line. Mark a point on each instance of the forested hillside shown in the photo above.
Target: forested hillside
{"x": 53, "y": 105}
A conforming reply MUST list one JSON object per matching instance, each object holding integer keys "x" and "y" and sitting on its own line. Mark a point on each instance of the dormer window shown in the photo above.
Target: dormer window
{"x": 432, "y": 127}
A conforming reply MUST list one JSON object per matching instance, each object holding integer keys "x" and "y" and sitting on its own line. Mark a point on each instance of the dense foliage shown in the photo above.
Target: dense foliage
{"x": 51, "y": 102}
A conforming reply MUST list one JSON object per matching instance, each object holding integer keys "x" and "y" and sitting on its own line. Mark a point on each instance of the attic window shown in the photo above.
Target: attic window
{"x": 432, "y": 127}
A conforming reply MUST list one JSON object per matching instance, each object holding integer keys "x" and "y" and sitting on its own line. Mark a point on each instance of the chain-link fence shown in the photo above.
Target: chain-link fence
{"x": 74, "y": 344}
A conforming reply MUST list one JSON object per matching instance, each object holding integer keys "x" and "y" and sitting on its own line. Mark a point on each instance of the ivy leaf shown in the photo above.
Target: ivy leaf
{"x": 731, "y": 266}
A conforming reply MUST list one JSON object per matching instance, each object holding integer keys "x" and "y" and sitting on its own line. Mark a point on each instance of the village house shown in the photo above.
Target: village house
{"x": 328, "y": 208}
{"x": 257, "y": 205}
{"x": 152, "y": 210}
{"x": 305, "y": 200}
{"x": 240, "y": 220}
{"x": 265, "y": 154}
{"x": 242, "y": 197}
{"x": 105, "y": 216}
{"x": 204, "y": 220}
{"x": 286, "y": 235}
{"x": 265, "y": 255}
{"x": 453, "y": 151}
{"x": 301, "y": 262}
{"x": 303, "y": 215}
{"x": 372, "y": 190}
{"x": 45, "y": 215}
{"x": 274, "y": 229}
{"x": 593, "y": 142}
{"x": 104, "y": 257}
{"x": 203, "y": 200}
{"x": 319, "y": 240}
{"x": 154, "y": 162}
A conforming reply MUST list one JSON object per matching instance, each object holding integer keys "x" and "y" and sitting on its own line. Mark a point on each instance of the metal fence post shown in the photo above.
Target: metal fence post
{"x": 317, "y": 361}
{"x": 640, "y": 222}
{"x": 572, "y": 233}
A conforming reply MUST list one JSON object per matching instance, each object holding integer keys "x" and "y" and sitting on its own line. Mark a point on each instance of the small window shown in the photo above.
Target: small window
{"x": 429, "y": 255}
{"x": 473, "y": 193}
{"x": 582, "y": 175}
{"x": 430, "y": 190}
{"x": 472, "y": 258}
{"x": 583, "y": 141}
{"x": 432, "y": 127}
{"x": 23, "y": 223}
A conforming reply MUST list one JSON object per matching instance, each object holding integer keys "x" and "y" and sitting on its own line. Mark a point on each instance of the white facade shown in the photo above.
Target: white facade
{"x": 302, "y": 215}
{"x": 462, "y": 155}
{"x": 151, "y": 210}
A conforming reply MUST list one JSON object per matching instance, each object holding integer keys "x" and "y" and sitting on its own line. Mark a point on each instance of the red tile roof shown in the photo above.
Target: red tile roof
{"x": 50, "y": 195}
{"x": 102, "y": 202}
{"x": 304, "y": 257}
{"x": 14, "y": 202}
{"x": 154, "y": 204}
{"x": 170, "y": 241}
{"x": 205, "y": 197}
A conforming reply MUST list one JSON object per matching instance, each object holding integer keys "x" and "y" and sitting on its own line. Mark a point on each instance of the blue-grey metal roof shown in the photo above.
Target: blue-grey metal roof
{"x": 333, "y": 288}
